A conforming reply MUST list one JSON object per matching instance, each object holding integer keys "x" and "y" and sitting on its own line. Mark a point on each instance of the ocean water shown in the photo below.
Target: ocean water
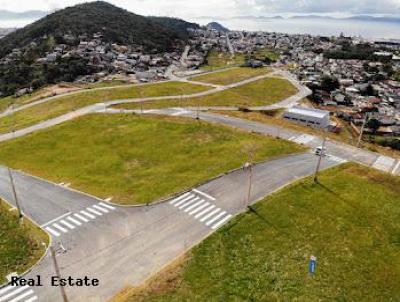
{"x": 324, "y": 27}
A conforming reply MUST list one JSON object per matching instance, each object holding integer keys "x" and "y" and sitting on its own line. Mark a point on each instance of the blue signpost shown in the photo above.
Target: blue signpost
{"x": 312, "y": 265}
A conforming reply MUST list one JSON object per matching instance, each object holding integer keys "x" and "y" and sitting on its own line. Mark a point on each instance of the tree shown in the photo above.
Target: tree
{"x": 329, "y": 83}
{"x": 373, "y": 124}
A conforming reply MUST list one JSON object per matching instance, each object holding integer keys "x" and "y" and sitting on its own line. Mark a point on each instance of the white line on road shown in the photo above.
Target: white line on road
{"x": 215, "y": 218}
{"x": 81, "y": 217}
{"x": 199, "y": 208}
{"x": 67, "y": 224}
{"x": 184, "y": 200}
{"x": 396, "y": 168}
{"x": 55, "y": 219}
{"x": 13, "y": 293}
{"x": 57, "y": 226}
{"x": 51, "y": 231}
{"x": 221, "y": 221}
{"x": 32, "y": 299}
{"x": 204, "y": 194}
{"x": 210, "y": 214}
{"x": 88, "y": 215}
{"x": 106, "y": 205}
{"x": 186, "y": 204}
{"x": 194, "y": 205}
{"x": 94, "y": 211}
{"x": 100, "y": 208}
{"x": 179, "y": 198}
{"x": 205, "y": 211}
{"x": 22, "y": 296}
{"x": 74, "y": 220}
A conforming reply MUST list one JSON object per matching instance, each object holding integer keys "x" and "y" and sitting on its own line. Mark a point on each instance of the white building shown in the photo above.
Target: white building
{"x": 308, "y": 117}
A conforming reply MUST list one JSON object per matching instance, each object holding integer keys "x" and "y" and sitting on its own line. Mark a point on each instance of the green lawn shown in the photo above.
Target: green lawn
{"x": 350, "y": 222}
{"x": 135, "y": 159}
{"x": 20, "y": 244}
{"x": 216, "y": 59}
{"x": 230, "y": 76}
{"x": 259, "y": 93}
{"x": 69, "y": 103}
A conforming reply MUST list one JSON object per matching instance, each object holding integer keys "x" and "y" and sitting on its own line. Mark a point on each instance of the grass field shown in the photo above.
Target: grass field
{"x": 216, "y": 59}
{"x": 350, "y": 222}
{"x": 20, "y": 245}
{"x": 259, "y": 93}
{"x": 230, "y": 76}
{"x": 69, "y": 103}
{"x": 135, "y": 159}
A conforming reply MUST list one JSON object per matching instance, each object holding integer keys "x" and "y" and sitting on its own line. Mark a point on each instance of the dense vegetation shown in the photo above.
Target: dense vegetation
{"x": 176, "y": 25}
{"x": 116, "y": 25}
{"x": 349, "y": 221}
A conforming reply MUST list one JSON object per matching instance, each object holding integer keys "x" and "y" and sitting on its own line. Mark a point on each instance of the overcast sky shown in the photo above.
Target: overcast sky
{"x": 224, "y": 8}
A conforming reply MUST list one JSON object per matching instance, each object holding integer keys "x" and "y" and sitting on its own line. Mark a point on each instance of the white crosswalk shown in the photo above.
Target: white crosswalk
{"x": 384, "y": 163}
{"x": 75, "y": 220}
{"x": 201, "y": 207}
{"x": 302, "y": 139}
{"x": 336, "y": 159}
{"x": 17, "y": 294}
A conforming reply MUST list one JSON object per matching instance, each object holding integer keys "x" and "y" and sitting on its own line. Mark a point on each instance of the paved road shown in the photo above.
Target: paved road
{"x": 124, "y": 246}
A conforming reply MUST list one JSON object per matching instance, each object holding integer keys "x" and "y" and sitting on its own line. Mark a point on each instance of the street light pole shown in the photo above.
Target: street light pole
{"x": 57, "y": 269}
{"x": 362, "y": 130}
{"x": 14, "y": 191}
{"x": 250, "y": 184}
{"x": 319, "y": 161}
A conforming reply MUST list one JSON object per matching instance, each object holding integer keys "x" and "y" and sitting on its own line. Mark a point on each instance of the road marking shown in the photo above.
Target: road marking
{"x": 183, "y": 200}
{"x": 396, "y": 168}
{"x": 189, "y": 203}
{"x": 32, "y": 299}
{"x": 74, "y": 220}
{"x": 55, "y": 219}
{"x": 108, "y": 199}
{"x": 199, "y": 208}
{"x": 204, "y": 194}
{"x": 106, "y": 205}
{"x": 88, "y": 215}
{"x": 20, "y": 297}
{"x": 205, "y": 211}
{"x": 67, "y": 224}
{"x": 218, "y": 224}
{"x": 94, "y": 211}
{"x": 383, "y": 163}
{"x": 13, "y": 293}
{"x": 100, "y": 208}
{"x": 57, "y": 226}
{"x": 194, "y": 205}
{"x": 51, "y": 231}
{"x": 210, "y": 214}
{"x": 215, "y": 218}
{"x": 179, "y": 198}
{"x": 81, "y": 217}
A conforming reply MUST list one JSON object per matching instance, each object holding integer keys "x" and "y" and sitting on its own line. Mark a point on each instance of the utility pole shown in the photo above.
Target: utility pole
{"x": 14, "y": 191}
{"x": 362, "y": 130}
{"x": 321, "y": 154}
{"x": 250, "y": 167}
{"x": 57, "y": 269}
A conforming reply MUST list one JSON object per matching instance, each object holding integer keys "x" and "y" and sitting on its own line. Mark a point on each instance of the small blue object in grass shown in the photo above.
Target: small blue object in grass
{"x": 312, "y": 265}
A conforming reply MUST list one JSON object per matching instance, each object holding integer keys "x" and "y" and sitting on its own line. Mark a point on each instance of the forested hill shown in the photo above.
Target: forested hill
{"x": 115, "y": 24}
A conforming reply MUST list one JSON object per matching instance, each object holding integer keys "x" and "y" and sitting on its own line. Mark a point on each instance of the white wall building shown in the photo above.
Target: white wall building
{"x": 307, "y": 116}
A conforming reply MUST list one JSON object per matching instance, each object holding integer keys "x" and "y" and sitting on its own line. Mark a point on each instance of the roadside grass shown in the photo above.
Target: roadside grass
{"x": 230, "y": 76}
{"x": 350, "y": 222}
{"x": 216, "y": 59}
{"x": 136, "y": 159}
{"x": 62, "y": 105}
{"x": 259, "y": 93}
{"x": 20, "y": 244}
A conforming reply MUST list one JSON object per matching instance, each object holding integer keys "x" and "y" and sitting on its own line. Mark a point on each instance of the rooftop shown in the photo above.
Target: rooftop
{"x": 309, "y": 112}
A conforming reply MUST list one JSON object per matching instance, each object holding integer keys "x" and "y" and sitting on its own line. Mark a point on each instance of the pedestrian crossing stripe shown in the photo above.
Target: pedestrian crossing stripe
{"x": 74, "y": 220}
{"x": 17, "y": 293}
{"x": 199, "y": 205}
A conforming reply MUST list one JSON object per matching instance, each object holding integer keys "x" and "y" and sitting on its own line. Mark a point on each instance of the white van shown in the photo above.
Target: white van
{"x": 320, "y": 151}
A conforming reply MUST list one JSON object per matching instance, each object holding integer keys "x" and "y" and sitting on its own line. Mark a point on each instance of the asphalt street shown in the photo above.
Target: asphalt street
{"x": 123, "y": 246}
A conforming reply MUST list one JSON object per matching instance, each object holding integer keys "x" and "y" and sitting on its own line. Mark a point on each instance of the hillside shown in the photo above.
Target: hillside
{"x": 178, "y": 26}
{"x": 216, "y": 26}
{"x": 115, "y": 24}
